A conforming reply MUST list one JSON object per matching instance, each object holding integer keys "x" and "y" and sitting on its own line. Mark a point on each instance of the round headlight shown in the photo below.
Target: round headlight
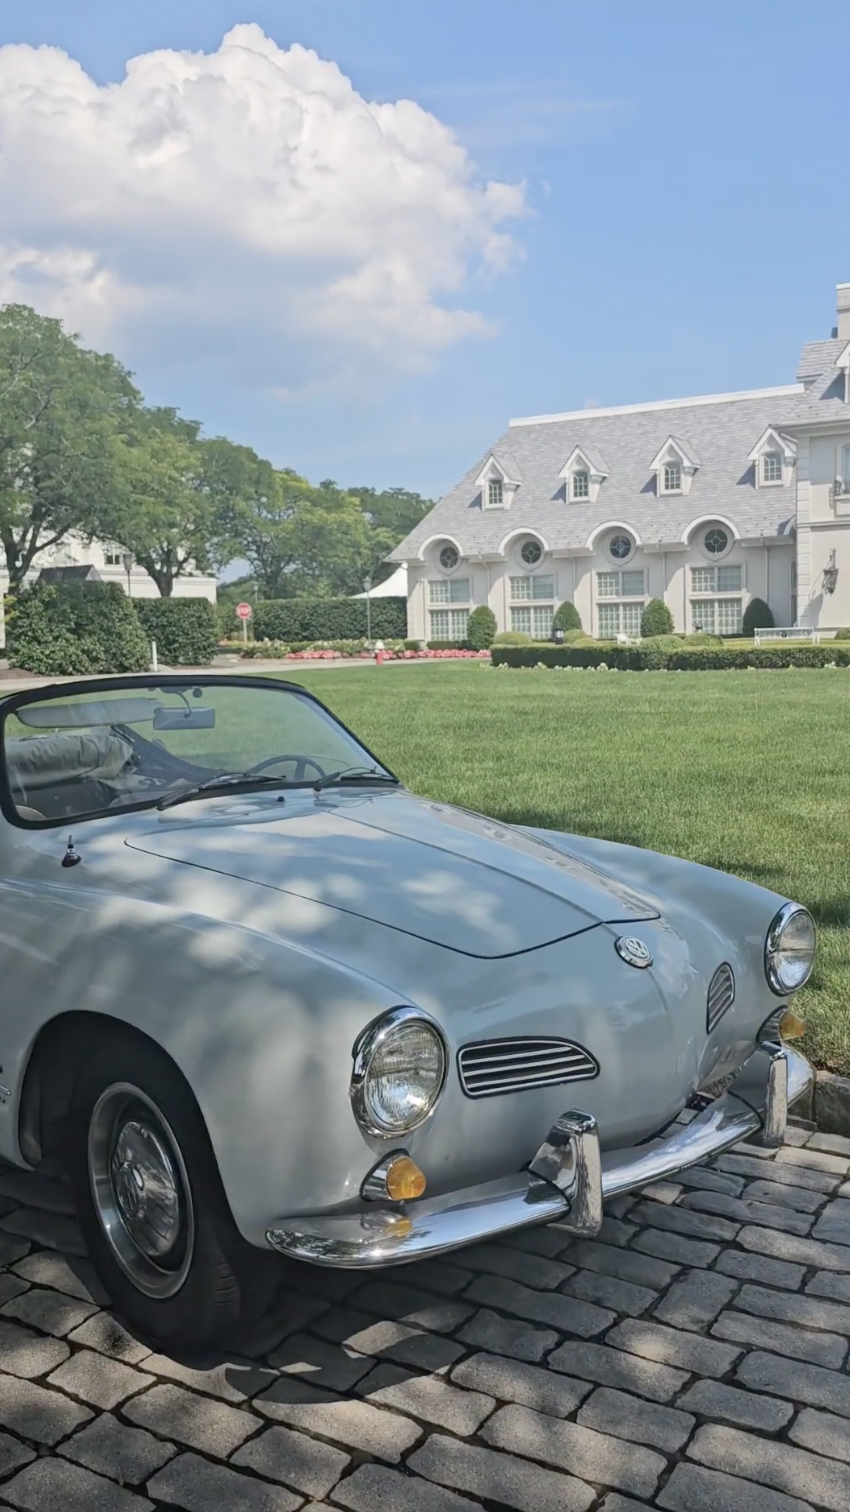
{"x": 400, "y": 1067}
{"x": 789, "y": 951}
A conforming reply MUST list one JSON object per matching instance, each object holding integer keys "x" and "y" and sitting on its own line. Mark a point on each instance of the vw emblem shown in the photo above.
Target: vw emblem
{"x": 633, "y": 951}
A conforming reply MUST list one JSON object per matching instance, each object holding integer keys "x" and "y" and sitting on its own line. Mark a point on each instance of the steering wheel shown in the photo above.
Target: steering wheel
{"x": 301, "y": 765}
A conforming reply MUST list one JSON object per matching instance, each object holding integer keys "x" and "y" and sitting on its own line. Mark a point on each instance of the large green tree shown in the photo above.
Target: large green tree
{"x": 302, "y": 539}
{"x": 184, "y": 498}
{"x": 65, "y": 413}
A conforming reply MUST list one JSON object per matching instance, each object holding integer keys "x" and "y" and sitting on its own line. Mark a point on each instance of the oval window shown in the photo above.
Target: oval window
{"x": 449, "y": 558}
{"x": 620, "y": 548}
{"x": 716, "y": 541}
{"x": 531, "y": 553}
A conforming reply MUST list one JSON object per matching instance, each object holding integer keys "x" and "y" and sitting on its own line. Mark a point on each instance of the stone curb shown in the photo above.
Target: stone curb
{"x": 828, "y": 1104}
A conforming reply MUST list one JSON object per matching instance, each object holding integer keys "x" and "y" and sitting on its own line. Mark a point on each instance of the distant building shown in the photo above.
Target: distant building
{"x": 704, "y": 502}
{"x": 75, "y": 559}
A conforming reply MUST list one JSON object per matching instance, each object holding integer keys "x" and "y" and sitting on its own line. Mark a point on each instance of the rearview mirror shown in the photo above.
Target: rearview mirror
{"x": 183, "y": 719}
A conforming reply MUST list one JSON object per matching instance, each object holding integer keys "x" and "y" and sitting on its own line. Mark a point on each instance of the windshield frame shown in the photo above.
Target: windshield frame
{"x": 70, "y": 688}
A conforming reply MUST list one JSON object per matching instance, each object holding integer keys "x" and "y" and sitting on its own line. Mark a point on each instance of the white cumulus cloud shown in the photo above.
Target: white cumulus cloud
{"x": 246, "y": 208}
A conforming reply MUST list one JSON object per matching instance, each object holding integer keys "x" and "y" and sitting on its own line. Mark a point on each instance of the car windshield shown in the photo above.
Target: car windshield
{"x": 87, "y": 753}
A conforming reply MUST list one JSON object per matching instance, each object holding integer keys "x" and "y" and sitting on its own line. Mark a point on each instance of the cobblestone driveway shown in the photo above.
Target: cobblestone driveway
{"x": 693, "y": 1358}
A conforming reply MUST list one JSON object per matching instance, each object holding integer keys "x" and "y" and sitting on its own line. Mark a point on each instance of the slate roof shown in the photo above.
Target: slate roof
{"x": 817, "y": 356}
{"x": 76, "y": 574}
{"x": 823, "y": 400}
{"x": 718, "y": 429}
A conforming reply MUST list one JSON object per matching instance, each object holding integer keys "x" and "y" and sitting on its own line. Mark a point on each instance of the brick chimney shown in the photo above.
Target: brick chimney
{"x": 844, "y": 311}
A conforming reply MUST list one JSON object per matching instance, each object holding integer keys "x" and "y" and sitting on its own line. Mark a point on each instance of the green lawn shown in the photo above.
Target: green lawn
{"x": 747, "y": 772}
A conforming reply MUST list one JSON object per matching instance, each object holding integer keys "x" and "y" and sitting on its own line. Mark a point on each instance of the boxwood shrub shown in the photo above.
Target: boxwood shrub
{"x": 75, "y": 629}
{"x": 185, "y": 630}
{"x": 481, "y": 628}
{"x": 649, "y": 657}
{"x": 318, "y": 619}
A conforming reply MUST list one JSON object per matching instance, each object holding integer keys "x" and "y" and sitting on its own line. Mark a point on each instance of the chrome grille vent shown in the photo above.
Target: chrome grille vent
{"x": 721, "y": 995}
{"x": 511, "y": 1065}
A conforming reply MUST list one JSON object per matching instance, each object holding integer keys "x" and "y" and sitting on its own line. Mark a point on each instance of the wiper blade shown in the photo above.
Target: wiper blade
{"x": 353, "y": 774}
{"x": 221, "y": 780}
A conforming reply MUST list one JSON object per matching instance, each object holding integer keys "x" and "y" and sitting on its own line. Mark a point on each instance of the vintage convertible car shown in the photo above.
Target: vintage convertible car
{"x": 262, "y": 1000}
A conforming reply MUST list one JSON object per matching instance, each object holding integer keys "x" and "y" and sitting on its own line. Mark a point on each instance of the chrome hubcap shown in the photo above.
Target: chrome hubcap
{"x": 141, "y": 1190}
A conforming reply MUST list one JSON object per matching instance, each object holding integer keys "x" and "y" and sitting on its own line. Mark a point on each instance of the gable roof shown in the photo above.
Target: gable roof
{"x": 817, "y": 356}
{"x": 76, "y": 574}
{"x": 721, "y": 429}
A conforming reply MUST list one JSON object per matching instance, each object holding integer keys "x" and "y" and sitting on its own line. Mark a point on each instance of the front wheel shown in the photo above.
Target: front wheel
{"x": 152, "y": 1208}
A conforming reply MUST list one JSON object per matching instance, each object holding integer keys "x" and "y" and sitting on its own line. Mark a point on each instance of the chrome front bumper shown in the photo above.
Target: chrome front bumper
{"x": 568, "y": 1180}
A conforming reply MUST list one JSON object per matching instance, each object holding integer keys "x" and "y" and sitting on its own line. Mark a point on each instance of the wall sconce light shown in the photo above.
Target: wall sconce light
{"x": 830, "y": 574}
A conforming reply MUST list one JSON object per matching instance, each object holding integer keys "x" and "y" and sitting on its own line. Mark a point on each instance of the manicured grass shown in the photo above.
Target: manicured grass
{"x": 748, "y": 772}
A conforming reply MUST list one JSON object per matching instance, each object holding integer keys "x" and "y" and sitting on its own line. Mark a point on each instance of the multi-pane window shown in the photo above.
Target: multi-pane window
{"x": 619, "y": 619}
{"x": 113, "y": 557}
{"x": 717, "y": 616}
{"x": 533, "y": 620}
{"x": 726, "y": 579}
{"x": 495, "y": 493}
{"x": 620, "y": 584}
{"x": 449, "y": 590}
{"x": 672, "y": 475}
{"x": 449, "y": 624}
{"x": 525, "y": 588}
{"x": 771, "y": 467}
{"x": 845, "y": 468}
{"x": 581, "y": 485}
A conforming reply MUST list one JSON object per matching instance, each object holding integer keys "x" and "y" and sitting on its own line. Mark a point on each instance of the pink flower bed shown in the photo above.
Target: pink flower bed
{"x": 391, "y": 655}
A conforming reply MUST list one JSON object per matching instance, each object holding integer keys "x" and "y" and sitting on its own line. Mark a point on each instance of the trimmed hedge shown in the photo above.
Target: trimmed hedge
{"x": 329, "y": 619}
{"x": 650, "y": 658}
{"x": 75, "y": 629}
{"x": 656, "y": 619}
{"x": 566, "y": 617}
{"x": 481, "y": 628}
{"x": 757, "y": 616}
{"x": 185, "y": 630}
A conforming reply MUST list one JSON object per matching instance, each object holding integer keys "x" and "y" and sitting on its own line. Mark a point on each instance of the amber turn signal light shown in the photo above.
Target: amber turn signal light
{"x": 404, "y": 1179}
{"x": 790, "y": 1026}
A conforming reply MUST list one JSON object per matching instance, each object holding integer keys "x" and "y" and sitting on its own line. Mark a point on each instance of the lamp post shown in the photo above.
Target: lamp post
{"x": 127, "y": 559}
{"x": 830, "y": 574}
{"x": 368, "y": 586}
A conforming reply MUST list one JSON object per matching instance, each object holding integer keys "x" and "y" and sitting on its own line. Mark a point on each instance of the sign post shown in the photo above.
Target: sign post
{"x": 244, "y": 613}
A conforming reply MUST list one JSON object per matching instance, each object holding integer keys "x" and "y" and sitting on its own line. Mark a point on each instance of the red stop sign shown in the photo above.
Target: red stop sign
{"x": 244, "y": 611}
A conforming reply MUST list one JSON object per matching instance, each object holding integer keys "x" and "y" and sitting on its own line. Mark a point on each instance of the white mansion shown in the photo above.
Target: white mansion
{"x": 705, "y": 503}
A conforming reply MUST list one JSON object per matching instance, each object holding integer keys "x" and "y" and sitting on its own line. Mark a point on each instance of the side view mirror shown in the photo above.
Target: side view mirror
{"x": 183, "y": 719}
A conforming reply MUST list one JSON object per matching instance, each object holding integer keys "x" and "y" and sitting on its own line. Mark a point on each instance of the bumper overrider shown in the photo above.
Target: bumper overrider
{"x": 567, "y": 1182}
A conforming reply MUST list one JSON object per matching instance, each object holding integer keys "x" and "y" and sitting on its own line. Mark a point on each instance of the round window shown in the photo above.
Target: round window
{"x": 716, "y": 541}
{"x": 620, "y": 547}
{"x": 449, "y": 558}
{"x": 531, "y": 553}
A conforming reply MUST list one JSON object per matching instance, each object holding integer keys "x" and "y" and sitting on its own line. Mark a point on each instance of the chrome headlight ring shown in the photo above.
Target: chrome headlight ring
{"x": 377, "y": 1040}
{"x": 791, "y": 919}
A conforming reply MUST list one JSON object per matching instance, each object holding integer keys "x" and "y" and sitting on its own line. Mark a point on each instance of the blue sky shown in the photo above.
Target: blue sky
{"x": 686, "y": 218}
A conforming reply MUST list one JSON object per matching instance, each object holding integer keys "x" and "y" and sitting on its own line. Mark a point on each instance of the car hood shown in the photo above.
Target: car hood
{"x": 429, "y": 870}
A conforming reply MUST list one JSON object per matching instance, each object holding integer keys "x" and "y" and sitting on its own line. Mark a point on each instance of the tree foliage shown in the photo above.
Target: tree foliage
{"x": 81, "y": 453}
{"x": 65, "y": 414}
{"x": 656, "y": 619}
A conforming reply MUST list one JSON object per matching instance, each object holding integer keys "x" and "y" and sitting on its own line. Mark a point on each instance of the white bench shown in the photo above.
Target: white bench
{"x": 791, "y": 632}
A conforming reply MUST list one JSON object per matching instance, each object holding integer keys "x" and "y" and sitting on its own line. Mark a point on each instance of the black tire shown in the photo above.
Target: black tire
{"x": 215, "y": 1283}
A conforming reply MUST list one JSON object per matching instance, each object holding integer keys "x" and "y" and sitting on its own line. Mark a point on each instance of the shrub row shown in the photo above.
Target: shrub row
{"x": 77, "y": 629}
{"x": 185, "y": 630}
{"x": 330, "y": 619}
{"x": 650, "y": 657}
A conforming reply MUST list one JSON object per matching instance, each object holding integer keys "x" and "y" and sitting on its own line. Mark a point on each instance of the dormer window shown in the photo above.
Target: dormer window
{"x": 498, "y": 481}
{"x": 771, "y": 467}
{"x": 675, "y": 466}
{"x": 584, "y": 472}
{"x": 773, "y": 459}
